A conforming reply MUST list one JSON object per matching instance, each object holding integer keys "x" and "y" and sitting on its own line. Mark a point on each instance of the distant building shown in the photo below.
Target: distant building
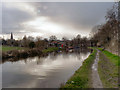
{"x": 11, "y": 41}
{"x": 11, "y": 36}
{"x": 57, "y": 43}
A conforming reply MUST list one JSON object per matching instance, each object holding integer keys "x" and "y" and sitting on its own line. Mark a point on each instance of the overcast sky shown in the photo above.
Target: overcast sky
{"x": 49, "y": 18}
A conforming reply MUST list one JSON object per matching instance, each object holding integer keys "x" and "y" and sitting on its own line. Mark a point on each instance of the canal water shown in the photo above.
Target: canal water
{"x": 42, "y": 72}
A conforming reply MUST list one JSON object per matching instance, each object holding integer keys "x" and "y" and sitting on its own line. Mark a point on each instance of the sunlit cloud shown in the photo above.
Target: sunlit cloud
{"x": 44, "y": 25}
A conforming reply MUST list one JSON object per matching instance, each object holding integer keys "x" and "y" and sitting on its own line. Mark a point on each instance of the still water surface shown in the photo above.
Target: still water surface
{"x": 42, "y": 72}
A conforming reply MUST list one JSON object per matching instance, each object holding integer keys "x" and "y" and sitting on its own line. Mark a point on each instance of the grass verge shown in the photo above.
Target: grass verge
{"x": 108, "y": 69}
{"x": 51, "y": 49}
{"x": 82, "y": 77}
{"x": 8, "y": 48}
{"x": 112, "y": 57}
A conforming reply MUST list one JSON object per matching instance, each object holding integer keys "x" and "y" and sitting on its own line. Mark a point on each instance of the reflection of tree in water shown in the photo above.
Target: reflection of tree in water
{"x": 65, "y": 55}
{"x": 40, "y": 60}
{"x": 78, "y": 56}
{"x": 13, "y": 60}
{"x": 53, "y": 55}
{"x": 25, "y": 61}
{"x": 76, "y": 52}
{"x": 31, "y": 59}
{"x": 83, "y": 51}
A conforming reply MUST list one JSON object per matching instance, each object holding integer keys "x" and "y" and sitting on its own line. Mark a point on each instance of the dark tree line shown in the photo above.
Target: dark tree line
{"x": 103, "y": 34}
{"x": 42, "y": 43}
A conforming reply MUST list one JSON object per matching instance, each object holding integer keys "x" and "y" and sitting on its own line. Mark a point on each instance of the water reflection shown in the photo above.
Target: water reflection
{"x": 42, "y": 72}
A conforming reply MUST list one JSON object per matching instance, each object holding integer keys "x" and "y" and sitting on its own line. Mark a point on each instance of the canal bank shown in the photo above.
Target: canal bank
{"x": 105, "y": 75}
{"x": 21, "y": 54}
{"x": 108, "y": 68}
{"x": 82, "y": 77}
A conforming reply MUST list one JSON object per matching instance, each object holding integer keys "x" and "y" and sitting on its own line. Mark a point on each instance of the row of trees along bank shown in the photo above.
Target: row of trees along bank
{"x": 39, "y": 46}
{"x": 42, "y": 43}
{"x": 107, "y": 34}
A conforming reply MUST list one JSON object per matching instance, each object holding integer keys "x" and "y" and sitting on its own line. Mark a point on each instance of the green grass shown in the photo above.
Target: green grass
{"x": 112, "y": 57}
{"x": 8, "y": 48}
{"x": 108, "y": 72}
{"x": 108, "y": 68}
{"x": 51, "y": 49}
{"x": 82, "y": 77}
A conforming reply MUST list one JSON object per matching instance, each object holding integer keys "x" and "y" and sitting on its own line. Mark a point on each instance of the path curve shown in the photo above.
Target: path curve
{"x": 95, "y": 76}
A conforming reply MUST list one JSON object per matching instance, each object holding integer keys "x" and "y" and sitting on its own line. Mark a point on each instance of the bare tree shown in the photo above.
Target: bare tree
{"x": 52, "y": 38}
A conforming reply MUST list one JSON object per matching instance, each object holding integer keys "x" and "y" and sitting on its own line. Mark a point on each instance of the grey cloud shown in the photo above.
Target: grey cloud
{"x": 77, "y": 15}
{"x": 12, "y": 19}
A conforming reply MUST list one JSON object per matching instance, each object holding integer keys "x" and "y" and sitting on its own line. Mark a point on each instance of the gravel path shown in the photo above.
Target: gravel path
{"x": 96, "y": 82}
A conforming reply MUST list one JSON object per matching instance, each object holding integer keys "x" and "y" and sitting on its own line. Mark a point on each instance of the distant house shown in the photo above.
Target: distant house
{"x": 61, "y": 43}
{"x": 57, "y": 43}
